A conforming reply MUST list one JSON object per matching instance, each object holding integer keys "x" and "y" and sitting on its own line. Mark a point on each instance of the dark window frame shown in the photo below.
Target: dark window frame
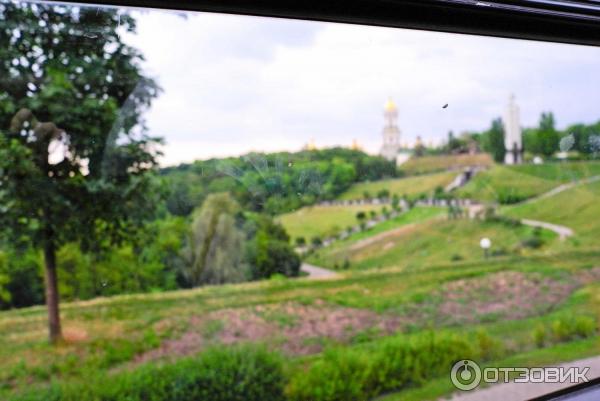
{"x": 575, "y": 22}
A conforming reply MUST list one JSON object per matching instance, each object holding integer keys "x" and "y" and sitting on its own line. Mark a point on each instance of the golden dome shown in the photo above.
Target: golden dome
{"x": 355, "y": 145}
{"x": 390, "y": 105}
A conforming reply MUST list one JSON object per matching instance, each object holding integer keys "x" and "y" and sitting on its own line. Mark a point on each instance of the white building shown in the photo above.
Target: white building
{"x": 391, "y": 133}
{"x": 513, "y": 139}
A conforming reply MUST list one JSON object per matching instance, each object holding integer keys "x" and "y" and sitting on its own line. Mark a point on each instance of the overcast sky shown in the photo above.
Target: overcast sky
{"x": 233, "y": 84}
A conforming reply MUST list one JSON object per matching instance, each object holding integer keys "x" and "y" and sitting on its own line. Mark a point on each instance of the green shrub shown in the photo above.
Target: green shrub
{"x": 231, "y": 374}
{"x": 569, "y": 328}
{"x": 361, "y": 373}
{"x": 456, "y": 257}
{"x": 489, "y": 348}
{"x": 564, "y": 329}
{"x": 510, "y": 197}
{"x": 540, "y": 336}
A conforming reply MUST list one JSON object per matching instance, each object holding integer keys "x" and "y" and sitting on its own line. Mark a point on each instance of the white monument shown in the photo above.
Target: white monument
{"x": 391, "y": 133}
{"x": 513, "y": 140}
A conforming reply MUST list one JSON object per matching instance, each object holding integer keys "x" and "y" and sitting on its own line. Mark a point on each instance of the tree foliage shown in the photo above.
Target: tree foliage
{"x": 74, "y": 155}
{"x": 276, "y": 182}
{"x": 213, "y": 254}
{"x": 493, "y": 141}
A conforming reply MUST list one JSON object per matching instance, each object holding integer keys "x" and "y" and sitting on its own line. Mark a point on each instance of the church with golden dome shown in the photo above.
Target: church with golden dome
{"x": 391, "y": 133}
{"x": 391, "y": 149}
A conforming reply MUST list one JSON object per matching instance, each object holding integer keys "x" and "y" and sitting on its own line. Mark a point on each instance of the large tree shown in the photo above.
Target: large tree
{"x": 213, "y": 253}
{"x": 74, "y": 155}
{"x": 494, "y": 141}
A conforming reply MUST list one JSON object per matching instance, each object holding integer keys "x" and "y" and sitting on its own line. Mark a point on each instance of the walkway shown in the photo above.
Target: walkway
{"x": 562, "y": 231}
{"x": 524, "y": 391}
{"x": 315, "y": 272}
{"x": 563, "y": 187}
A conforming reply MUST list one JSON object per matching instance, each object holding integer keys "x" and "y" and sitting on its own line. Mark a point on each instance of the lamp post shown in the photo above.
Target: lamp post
{"x": 485, "y": 244}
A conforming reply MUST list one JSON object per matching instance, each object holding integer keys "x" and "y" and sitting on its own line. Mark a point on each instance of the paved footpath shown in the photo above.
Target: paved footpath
{"x": 562, "y": 231}
{"x": 525, "y": 391}
{"x": 315, "y": 272}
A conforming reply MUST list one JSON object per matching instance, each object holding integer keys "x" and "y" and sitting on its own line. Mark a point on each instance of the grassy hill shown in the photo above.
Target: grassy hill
{"x": 429, "y": 164}
{"x": 577, "y": 208}
{"x": 322, "y": 221}
{"x": 505, "y": 184}
{"x": 417, "y": 285}
{"x": 409, "y": 186}
{"x": 353, "y": 316}
{"x": 511, "y": 184}
{"x": 435, "y": 240}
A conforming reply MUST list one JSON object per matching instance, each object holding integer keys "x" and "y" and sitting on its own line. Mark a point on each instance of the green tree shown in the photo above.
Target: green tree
{"x": 547, "y": 135}
{"x": 383, "y": 194}
{"x": 74, "y": 155}
{"x": 213, "y": 253}
{"x": 300, "y": 241}
{"x": 268, "y": 250}
{"x": 494, "y": 141}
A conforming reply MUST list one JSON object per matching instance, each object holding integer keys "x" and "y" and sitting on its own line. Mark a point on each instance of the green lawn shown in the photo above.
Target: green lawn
{"x": 429, "y": 164}
{"x": 409, "y": 186}
{"x": 577, "y": 208}
{"x": 322, "y": 221}
{"x": 106, "y": 335}
{"x": 436, "y": 240}
{"x": 511, "y": 184}
{"x": 505, "y": 184}
{"x": 561, "y": 171}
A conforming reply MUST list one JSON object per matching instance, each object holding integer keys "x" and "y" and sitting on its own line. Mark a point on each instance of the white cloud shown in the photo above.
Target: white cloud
{"x": 234, "y": 84}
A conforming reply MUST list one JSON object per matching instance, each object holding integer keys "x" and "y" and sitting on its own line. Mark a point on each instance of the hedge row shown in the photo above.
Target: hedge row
{"x": 394, "y": 364}
{"x": 230, "y": 374}
{"x": 254, "y": 374}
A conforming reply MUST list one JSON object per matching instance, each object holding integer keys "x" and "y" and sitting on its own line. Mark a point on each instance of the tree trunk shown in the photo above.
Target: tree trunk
{"x": 52, "y": 291}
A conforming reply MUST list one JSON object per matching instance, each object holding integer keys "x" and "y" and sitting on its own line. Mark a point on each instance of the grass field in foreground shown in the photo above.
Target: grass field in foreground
{"x": 409, "y": 186}
{"x": 322, "y": 221}
{"x": 105, "y": 335}
{"x": 429, "y": 164}
{"x": 436, "y": 240}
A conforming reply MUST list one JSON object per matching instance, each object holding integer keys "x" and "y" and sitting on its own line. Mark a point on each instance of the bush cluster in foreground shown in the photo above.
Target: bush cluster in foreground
{"x": 251, "y": 373}
{"x": 231, "y": 374}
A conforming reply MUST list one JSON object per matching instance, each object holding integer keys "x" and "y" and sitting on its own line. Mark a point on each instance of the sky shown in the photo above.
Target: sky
{"x": 234, "y": 84}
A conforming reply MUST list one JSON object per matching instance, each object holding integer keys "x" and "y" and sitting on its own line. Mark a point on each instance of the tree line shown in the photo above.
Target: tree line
{"x": 542, "y": 140}
{"x": 273, "y": 183}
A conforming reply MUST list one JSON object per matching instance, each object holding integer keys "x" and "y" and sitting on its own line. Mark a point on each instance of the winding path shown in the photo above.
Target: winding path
{"x": 317, "y": 273}
{"x": 564, "y": 187}
{"x": 562, "y": 231}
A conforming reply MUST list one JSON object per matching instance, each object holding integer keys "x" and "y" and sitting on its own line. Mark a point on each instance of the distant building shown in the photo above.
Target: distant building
{"x": 391, "y": 134}
{"x": 310, "y": 145}
{"x": 513, "y": 138}
{"x": 355, "y": 145}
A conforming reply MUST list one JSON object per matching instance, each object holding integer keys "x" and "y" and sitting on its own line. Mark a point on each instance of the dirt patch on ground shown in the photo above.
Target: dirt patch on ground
{"x": 300, "y": 329}
{"x": 294, "y": 328}
{"x": 383, "y": 236}
{"x": 505, "y": 295}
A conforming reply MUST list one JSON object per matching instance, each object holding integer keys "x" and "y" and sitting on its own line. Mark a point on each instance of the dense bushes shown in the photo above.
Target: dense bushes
{"x": 396, "y": 363}
{"x": 232, "y": 374}
{"x": 566, "y": 328}
{"x": 151, "y": 264}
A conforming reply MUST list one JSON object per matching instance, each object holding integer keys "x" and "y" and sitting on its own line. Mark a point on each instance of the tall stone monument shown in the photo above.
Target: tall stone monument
{"x": 513, "y": 139}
